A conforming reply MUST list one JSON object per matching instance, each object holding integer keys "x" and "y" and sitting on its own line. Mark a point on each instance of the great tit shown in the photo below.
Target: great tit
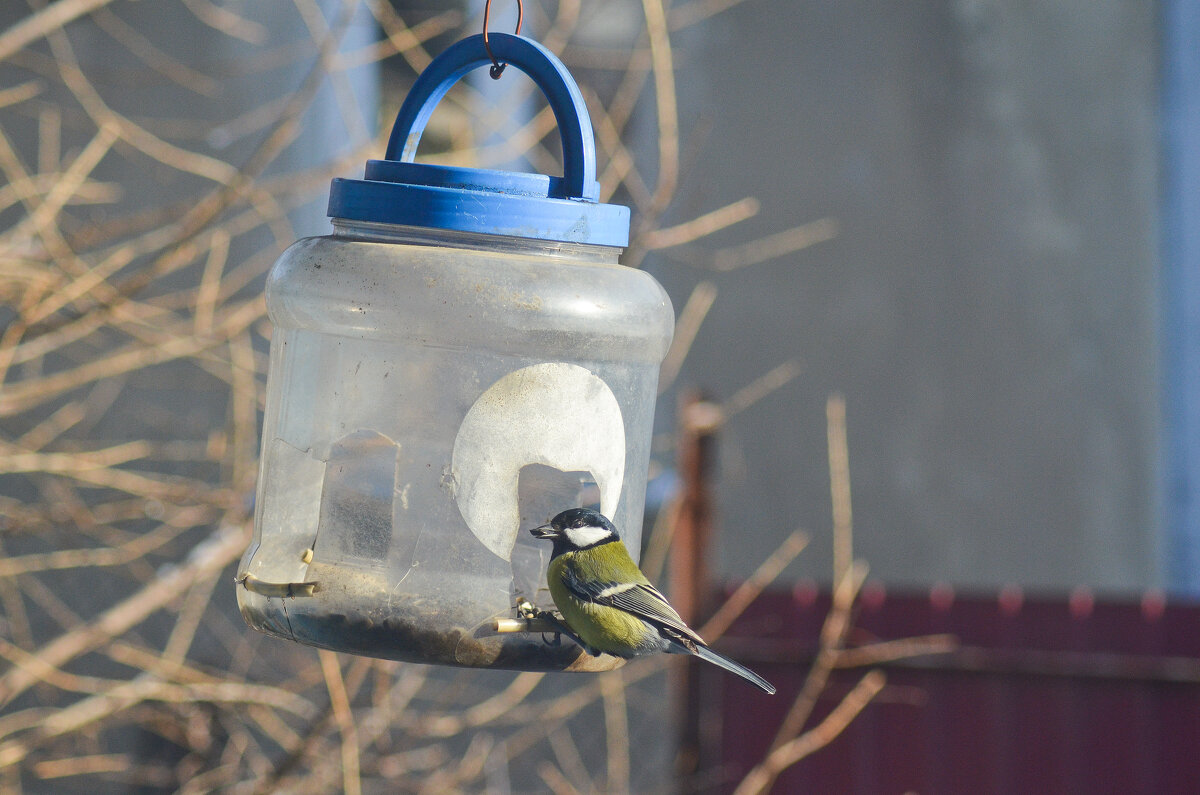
{"x": 607, "y": 601}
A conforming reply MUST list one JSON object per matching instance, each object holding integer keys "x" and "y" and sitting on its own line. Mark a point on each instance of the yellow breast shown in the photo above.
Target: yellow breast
{"x": 604, "y": 628}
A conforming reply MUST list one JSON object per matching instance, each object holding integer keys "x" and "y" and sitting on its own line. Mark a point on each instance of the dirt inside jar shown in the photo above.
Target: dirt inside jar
{"x": 422, "y": 619}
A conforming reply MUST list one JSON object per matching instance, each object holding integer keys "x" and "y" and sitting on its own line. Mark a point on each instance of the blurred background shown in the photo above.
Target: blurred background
{"x": 945, "y": 252}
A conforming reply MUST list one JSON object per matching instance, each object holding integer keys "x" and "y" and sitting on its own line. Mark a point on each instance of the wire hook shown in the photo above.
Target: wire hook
{"x": 497, "y": 68}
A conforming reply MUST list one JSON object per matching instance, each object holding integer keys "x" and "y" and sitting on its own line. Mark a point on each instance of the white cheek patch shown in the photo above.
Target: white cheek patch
{"x": 586, "y": 536}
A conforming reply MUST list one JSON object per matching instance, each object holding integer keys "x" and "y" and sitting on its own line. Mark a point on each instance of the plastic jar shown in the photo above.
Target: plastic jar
{"x": 460, "y": 360}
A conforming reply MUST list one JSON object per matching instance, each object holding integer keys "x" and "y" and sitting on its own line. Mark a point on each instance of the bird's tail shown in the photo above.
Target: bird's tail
{"x": 705, "y": 653}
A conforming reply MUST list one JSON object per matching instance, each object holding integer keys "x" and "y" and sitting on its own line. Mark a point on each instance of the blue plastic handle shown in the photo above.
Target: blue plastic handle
{"x": 542, "y": 66}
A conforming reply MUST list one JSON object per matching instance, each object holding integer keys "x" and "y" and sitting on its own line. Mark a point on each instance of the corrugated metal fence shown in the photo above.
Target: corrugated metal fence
{"x": 1069, "y": 695}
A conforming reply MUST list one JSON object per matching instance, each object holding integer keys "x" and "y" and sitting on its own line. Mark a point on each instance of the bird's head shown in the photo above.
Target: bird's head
{"x": 577, "y": 528}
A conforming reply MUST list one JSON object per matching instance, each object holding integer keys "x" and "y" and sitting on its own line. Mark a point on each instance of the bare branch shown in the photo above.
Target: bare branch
{"x": 44, "y": 22}
{"x": 222, "y": 547}
{"x": 351, "y": 783}
{"x": 686, "y": 328}
{"x": 839, "y": 485}
{"x": 759, "y": 779}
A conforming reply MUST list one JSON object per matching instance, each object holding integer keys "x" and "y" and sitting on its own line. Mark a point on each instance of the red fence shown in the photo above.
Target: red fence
{"x": 1043, "y": 696}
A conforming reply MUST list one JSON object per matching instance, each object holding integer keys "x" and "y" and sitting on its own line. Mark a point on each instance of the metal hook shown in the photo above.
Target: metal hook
{"x": 497, "y": 68}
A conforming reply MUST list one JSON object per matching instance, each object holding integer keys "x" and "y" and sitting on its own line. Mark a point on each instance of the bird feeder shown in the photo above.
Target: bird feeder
{"x": 461, "y": 359}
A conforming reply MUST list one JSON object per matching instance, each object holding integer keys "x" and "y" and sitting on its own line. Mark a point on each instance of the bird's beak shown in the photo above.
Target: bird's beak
{"x": 545, "y": 531}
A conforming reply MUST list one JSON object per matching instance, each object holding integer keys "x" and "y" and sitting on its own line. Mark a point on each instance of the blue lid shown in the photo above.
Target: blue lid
{"x": 399, "y": 191}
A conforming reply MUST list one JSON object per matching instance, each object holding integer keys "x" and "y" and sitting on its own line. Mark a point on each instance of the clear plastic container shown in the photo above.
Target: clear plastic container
{"x": 433, "y": 394}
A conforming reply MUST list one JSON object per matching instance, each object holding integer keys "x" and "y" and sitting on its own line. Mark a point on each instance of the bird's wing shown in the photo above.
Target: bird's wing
{"x": 641, "y": 599}
{"x": 646, "y": 602}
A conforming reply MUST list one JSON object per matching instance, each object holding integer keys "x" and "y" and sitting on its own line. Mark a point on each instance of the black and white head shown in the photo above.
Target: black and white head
{"x": 577, "y": 528}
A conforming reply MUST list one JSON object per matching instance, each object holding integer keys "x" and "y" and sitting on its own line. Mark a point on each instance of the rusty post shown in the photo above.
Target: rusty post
{"x": 690, "y": 579}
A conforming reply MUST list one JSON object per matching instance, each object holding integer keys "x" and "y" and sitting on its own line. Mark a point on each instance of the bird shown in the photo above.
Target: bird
{"x": 606, "y": 601}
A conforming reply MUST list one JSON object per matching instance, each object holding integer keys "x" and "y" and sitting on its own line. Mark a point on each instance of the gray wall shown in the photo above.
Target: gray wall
{"x": 988, "y": 308}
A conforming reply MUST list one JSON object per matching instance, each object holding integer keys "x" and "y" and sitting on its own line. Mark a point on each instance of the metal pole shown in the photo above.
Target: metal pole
{"x": 690, "y": 579}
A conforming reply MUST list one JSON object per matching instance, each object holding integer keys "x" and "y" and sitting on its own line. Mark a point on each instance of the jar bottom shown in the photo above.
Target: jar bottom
{"x": 352, "y": 612}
